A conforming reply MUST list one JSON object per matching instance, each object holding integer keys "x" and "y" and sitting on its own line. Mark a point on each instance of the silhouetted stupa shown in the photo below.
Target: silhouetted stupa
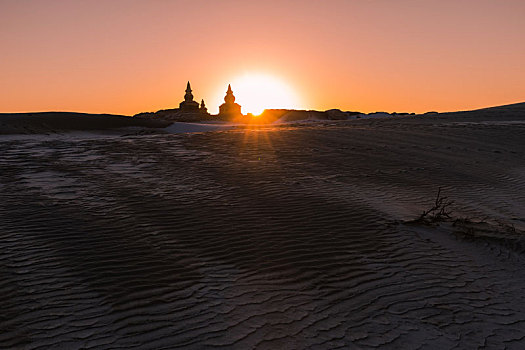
{"x": 229, "y": 109}
{"x": 203, "y": 108}
{"x": 188, "y": 105}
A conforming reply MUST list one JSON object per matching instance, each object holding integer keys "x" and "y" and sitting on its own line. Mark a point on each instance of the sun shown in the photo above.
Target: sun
{"x": 256, "y": 92}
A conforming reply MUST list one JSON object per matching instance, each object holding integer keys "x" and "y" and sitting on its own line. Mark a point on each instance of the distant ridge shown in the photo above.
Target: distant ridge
{"x": 56, "y": 122}
{"x": 515, "y": 111}
{"x": 52, "y": 122}
{"x": 520, "y": 106}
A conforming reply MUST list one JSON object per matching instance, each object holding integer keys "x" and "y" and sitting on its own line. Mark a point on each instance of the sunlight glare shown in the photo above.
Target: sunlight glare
{"x": 257, "y": 92}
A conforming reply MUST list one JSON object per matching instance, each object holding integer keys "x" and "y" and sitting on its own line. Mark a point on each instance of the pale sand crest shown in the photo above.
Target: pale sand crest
{"x": 268, "y": 238}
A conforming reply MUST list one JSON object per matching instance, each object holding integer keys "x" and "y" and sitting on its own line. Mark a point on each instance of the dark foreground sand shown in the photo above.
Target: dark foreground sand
{"x": 273, "y": 238}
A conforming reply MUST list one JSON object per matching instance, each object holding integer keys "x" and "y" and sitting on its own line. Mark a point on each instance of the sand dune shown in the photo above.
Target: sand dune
{"x": 56, "y": 122}
{"x": 282, "y": 237}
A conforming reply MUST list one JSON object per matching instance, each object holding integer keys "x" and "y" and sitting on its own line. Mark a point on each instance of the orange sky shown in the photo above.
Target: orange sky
{"x": 129, "y": 56}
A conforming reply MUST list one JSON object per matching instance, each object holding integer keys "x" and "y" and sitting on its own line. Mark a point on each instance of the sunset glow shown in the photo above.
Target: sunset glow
{"x": 256, "y": 92}
{"x": 130, "y": 56}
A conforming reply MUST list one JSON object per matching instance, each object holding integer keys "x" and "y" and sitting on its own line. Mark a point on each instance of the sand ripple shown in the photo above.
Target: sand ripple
{"x": 284, "y": 238}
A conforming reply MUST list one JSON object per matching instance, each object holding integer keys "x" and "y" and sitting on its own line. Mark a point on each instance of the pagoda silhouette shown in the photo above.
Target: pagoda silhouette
{"x": 229, "y": 109}
{"x": 190, "y": 106}
{"x": 191, "y": 111}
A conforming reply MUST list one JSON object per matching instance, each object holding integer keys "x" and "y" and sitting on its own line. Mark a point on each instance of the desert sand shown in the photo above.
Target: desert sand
{"x": 60, "y": 122}
{"x": 286, "y": 236}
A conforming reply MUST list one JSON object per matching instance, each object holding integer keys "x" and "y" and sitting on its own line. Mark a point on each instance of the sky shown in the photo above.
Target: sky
{"x": 131, "y": 56}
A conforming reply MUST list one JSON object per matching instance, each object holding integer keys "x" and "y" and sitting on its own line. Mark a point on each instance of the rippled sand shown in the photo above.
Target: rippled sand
{"x": 270, "y": 238}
